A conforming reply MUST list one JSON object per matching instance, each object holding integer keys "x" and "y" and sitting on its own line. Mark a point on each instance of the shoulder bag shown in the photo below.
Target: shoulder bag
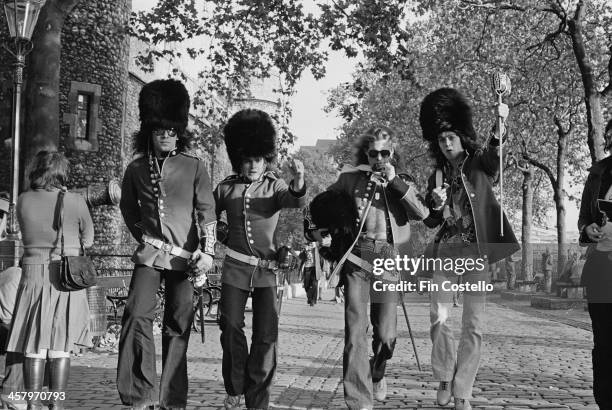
{"x": 76, "y": 272}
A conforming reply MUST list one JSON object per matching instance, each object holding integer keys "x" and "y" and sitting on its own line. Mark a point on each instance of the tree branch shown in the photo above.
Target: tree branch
{"x": 542, "y": 166}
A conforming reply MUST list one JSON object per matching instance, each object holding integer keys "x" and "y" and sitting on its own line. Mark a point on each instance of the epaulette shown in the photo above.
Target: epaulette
{"x": 230, "y": 178}
{"x": 137, "y": 156}
{"x": 407, "y": 178}
{"x": 191, "y": 155}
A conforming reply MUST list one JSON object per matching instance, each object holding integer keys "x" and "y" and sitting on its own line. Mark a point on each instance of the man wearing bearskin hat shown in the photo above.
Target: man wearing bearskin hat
{"x": 461, "y": 201}
{"x": 385, "y": 202}
{"x": 168, "y": 207}
{"x": 252, "y": 200}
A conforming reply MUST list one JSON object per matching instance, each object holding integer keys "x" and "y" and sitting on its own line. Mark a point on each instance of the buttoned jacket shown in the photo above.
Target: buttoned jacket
{"x": 252, "y": 210}
{"x": 401, "y": 199}
{"x": 178, "y": 209}
{"x": 597, "y": 185}
{"x": 477, "y": 174}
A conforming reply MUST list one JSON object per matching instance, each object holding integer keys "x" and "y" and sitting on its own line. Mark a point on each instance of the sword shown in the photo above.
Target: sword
{"x": 202, "y": 330}
{"x": 281, "y": 292}
{"x": 416, "y": 355}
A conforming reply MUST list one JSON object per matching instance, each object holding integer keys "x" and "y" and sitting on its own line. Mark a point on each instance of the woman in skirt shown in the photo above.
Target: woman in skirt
{"x": 48, "y": 322}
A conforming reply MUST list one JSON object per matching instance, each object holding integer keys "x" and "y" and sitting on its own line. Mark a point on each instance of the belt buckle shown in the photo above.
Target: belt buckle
{"x": 254, "y": 260}
{"x": 166, "y": 247}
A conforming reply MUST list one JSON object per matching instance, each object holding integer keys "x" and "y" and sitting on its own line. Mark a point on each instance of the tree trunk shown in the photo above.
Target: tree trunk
{"x": 43, "y": 80}
{"x": 559, "y": 197}
{"x": 527, "y": 261}
{"x": 592, "y": 97}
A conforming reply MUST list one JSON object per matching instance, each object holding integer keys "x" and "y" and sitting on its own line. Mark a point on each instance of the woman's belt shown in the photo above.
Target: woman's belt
{"x": 166, "y": 247}
{"x": 250, "y": 259}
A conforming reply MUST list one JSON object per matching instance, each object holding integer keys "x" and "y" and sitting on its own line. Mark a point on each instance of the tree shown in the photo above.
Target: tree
{"x": 463, "y": 46}
{"x": 592, "y": 50}
{"x": 320, "y": 172}
{"x": 43, "y": 73}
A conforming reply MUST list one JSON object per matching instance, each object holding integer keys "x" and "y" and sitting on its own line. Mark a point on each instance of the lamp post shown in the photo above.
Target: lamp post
{"x": 21, "y": 17}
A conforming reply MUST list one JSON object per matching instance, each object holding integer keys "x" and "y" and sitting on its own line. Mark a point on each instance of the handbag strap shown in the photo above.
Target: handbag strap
{"x": 60, "y": 221}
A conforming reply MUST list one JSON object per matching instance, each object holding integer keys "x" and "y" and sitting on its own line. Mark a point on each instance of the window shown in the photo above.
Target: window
{"x": 83, "y": 116}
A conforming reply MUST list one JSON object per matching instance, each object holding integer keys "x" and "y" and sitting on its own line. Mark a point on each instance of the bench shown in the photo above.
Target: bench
{"x": 117, "y": 294}
{"x": 526, "y": 285}
{"x": 568, "y": 290}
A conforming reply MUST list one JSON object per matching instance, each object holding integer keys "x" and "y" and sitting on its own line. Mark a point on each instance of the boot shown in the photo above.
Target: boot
{"x": 59, "y": 369}
{"x": 33, "y": 374}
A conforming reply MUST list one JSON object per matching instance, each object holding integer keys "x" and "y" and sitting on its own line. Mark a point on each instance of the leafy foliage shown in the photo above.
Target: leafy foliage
{"x": 320, "y": 171}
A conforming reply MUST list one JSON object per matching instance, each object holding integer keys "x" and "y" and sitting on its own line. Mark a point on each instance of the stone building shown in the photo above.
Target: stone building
{"x": 99, "y": 87}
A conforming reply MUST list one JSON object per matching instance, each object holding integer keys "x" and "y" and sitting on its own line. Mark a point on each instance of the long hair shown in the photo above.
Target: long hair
{"x": 374, "y": 133}
{"x": 468, "y": 144}
{"x": 143, "y": 140}
{"x": 49, "y": 170}
{"x": 447, "y": 109}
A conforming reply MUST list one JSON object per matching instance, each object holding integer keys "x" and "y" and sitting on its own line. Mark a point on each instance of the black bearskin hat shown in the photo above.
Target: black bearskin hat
{"x": 446, "y": 109}
{"x": 164, "y": 104}
{"x": 249, "y": 133}
{"x": 337, "y": 212}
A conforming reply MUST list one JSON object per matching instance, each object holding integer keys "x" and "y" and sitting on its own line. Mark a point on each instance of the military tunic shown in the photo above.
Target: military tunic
{"x": 176, "y": 206}
{"x": 252, "y": 210}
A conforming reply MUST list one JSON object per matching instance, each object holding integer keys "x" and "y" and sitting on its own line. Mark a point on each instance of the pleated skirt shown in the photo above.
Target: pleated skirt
{"x": 46, "y": 317}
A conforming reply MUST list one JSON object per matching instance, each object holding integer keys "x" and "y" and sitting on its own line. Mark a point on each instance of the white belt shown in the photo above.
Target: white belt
{"x": 363, "y": 264}
{"x": 250, "y": 259}
{"x": 166, "y": 247}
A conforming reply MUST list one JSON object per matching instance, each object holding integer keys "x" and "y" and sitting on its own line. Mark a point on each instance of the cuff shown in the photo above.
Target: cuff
{"x": 309, "y": 225}
{"x": 584, "y": 238}
{"x": 297, "y": 194}
{"x": 208, "y": 240}
{"x": 398, "y": 186}
{"x": 494, "y": 140}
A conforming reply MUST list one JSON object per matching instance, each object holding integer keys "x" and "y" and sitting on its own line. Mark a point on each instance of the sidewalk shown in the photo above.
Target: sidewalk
{"x": 528, "y": 362}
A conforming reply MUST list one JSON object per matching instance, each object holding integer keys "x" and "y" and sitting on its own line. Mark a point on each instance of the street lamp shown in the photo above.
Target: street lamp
{"x": 21, "y": 16}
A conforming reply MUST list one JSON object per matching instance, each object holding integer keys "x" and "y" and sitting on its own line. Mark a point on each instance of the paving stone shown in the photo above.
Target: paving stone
{"x": 529, "y": 361}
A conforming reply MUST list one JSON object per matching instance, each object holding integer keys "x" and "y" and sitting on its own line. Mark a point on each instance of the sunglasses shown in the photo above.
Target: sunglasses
{"x": 385, "y": 153}
{"x": 170, "y": 133}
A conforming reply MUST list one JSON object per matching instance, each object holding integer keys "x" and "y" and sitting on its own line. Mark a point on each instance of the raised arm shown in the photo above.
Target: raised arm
{"x": 129, "y": 203}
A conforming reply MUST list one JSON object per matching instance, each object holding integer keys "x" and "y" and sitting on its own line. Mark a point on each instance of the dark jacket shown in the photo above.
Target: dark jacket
{"x": 477, "y": 173}
{"x": 597, "y": 184}
{"x": 179, "y": 214}
{"x": 401, "y": 196}
{"x": 252, "y": 210}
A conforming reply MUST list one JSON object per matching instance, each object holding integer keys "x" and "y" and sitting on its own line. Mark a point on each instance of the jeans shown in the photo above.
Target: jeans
{"x": 358, "y": 372}
{"x": 247, "y": 373}
{"x": 601, "y": 314}
{"x": 311, "y": 284}
{"x": 136, "y": 366}
{"x": 450, "y": 363}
